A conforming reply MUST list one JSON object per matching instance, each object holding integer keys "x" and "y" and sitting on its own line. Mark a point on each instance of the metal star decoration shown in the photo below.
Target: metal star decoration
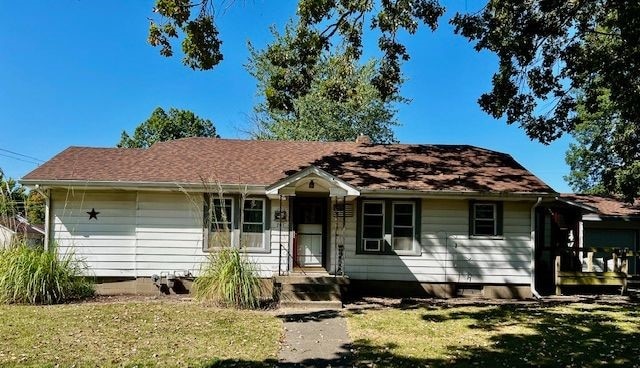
{"x": 93, "y": 214}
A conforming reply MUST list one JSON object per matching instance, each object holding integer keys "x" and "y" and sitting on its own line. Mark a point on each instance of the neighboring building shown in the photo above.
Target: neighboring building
{"x": 16, "y": 229}
{"x": 445, "y": 219}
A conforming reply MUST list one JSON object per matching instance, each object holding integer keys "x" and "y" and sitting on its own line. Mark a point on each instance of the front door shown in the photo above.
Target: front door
{"x": 310, "y": 215}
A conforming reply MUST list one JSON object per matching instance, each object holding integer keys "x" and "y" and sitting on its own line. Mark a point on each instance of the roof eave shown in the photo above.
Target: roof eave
{"x": 146, "y": 185}
{"x": 455, "y": 194}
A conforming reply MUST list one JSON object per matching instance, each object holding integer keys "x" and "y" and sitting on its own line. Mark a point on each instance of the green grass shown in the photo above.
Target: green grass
{"x": 136, "y": 333}
{"x": 571, "y": 335}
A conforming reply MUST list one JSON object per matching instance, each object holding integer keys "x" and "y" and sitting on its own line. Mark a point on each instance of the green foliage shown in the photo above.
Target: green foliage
{"x": 12, "y": 197}
{"x": 323, "y": 24}
{"x": 201, "y": 43}
{"x": 551, "y": 50}
{"x": 229, "y": 279}
{"x": 35, "y": 207}
{"x": 341, "y": 103}
{"x": 162, "y": 126}
{"x": 603, "y": 160}
{"x": 568, "y": 66}
{"x": 35, "y": 276}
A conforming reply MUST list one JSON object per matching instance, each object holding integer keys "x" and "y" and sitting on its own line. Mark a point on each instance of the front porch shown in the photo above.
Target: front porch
{"x": 595, "y": 267}
{"x": 310, "y": 220}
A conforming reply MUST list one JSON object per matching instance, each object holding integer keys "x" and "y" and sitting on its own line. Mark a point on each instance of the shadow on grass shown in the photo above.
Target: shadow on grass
{"x": 581, "y": 337}
{"x": 576, "y": 335}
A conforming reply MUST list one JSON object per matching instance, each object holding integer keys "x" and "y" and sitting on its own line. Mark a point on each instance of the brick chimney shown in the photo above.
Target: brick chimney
{"x": 363, "y": 139}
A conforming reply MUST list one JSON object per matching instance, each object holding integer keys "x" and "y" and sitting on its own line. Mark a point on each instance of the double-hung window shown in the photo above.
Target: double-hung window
{"x": 403, "y": 226}
{"x": 220, "y": 222}
{"x": 253, "y": 223}
{"x": 484, "y": 219}
{"x": 372, "y": 226}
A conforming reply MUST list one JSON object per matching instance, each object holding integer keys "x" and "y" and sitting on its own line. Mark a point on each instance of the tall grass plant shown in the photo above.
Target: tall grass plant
{"x": 229, "y": 279}
{"x": 36, "y": 276}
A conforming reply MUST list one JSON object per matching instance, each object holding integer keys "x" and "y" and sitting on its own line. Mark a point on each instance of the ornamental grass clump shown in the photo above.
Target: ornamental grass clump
{"x": 229, "y": 279}
{"x": 36, "y": 276}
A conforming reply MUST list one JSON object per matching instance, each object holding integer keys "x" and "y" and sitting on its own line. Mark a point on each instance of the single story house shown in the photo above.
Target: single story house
{"x": 442, "y": 219}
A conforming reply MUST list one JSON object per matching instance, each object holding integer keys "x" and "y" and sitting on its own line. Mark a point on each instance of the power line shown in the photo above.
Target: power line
{"x": 20, "y": 154}
{"x": 20, "y": 159}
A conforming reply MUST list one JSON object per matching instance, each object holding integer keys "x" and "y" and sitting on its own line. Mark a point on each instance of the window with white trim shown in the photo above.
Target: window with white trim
{"x": 485, "y": 219}
{"x": 372, "y": 226}
{"x": 253, "y": 223}
{"x": 403, "y": 228}
{"x": 220, "y": 222}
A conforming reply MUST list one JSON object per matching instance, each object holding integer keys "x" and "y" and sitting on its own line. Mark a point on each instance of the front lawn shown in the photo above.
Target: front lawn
{"x": 168, "y": 333}
{"x": 441, "y": 335}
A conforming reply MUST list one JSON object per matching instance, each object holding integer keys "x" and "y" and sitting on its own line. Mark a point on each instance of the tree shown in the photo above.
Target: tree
{"x": 323, "y": 24}
{"x": 568, "y": 66}
{"x": 163, "y": 126}
{"x": 35, "y": 207}
{"x": 12, "y": 197}
{"x": 341, "y": 103}
{"x": 603, "y": 159}
{"x": 550, "y": 53}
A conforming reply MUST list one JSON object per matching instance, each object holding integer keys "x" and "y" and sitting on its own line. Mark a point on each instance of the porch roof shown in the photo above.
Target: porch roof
{"x": 336, "y": 186}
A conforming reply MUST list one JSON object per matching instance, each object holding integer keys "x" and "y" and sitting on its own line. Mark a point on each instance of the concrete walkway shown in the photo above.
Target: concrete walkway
{"x": 315, "y": 339}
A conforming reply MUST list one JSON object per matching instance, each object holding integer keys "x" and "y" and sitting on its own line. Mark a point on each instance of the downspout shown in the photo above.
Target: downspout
{"x": 47, "y": 208}
{"x": 533, "y": 249}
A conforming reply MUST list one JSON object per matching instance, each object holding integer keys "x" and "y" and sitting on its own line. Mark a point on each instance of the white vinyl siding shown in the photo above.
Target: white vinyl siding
{"x": 447, "y": 253}
{"x": 145, "y": 233}
{"x": 138, "y": 234}
{"x": 106, "y": 245}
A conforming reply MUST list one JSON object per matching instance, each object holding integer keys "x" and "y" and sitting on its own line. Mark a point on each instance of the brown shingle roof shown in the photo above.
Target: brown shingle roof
{"x": 394, "y": 166}
{"x": 606, "y": 206}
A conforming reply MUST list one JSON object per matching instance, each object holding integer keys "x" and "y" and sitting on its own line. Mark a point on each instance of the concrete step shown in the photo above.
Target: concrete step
{"x": 305, "y": 304}
{"x": 302, "y": 296}
{"x": 308, "y": 279}
{"x": 311, "y": 288}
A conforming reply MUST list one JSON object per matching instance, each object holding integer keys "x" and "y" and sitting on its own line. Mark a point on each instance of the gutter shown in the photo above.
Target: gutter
{"x": 262, "y": 189}
{"x": 450, "y": 194}
{"x": 533, "y": 249}
{"x": 144, "y": 185}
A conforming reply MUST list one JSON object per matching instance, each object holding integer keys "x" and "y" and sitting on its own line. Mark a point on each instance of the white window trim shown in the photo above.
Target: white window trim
{"x": 414, "y": 243}
{"x": 266, "y": 243}
{"x": 380, "y": 240}
{"x": 232, "y": 233}
{"x": 494, "y": 219}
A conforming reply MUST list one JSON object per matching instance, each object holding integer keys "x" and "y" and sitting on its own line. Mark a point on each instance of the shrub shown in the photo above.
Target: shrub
{"x": 36, "y": 276}
{"x": 229, "y": 279}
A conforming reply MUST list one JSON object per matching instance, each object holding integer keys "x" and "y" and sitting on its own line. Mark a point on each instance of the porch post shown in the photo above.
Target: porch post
{"x": 280, "y": 236}
{"x": 343, "y": 238}
{"x": 335, "y": 237}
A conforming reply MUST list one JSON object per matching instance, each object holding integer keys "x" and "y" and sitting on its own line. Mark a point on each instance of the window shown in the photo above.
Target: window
{"x": 253, "y": 223}
{"x": 220, "y": 222}
{"x": 484, "y": 219}
{"x": 403, "y": 226}
{"x": 372, "y": 226}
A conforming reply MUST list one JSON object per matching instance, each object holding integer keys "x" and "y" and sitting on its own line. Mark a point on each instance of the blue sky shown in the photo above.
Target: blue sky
{"x": 78, "y": 72}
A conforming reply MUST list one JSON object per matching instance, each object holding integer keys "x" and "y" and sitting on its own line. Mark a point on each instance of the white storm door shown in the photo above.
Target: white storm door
{"x": 310, "y": 244}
